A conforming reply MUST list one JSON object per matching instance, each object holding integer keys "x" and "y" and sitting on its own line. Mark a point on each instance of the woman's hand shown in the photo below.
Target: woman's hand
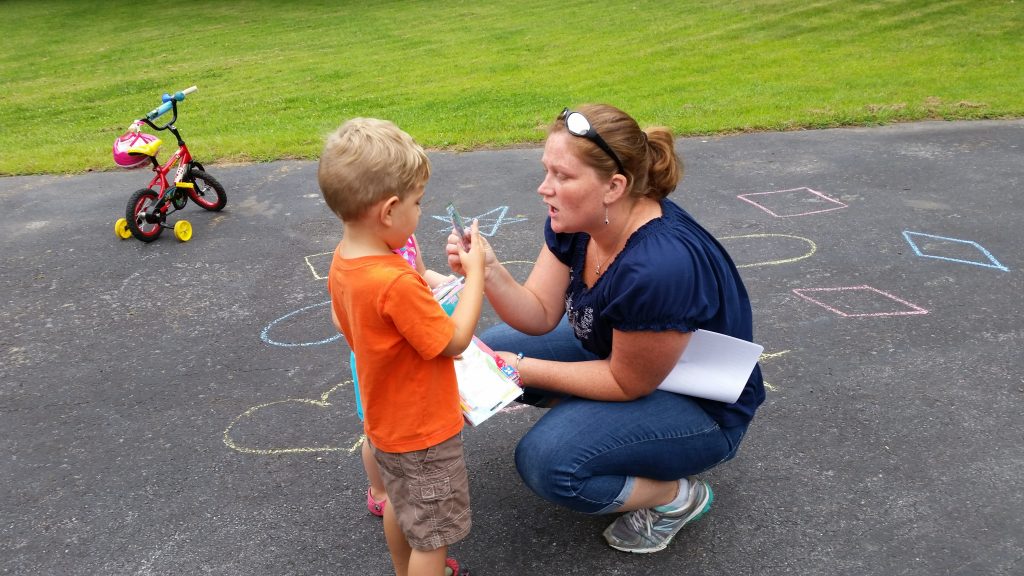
{"x": 477, "y": 243}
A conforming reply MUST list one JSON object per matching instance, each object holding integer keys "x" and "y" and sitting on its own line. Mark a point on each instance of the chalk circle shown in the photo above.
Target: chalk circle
{"x": 811, "y": 249}
{"x": 265, "y": 334}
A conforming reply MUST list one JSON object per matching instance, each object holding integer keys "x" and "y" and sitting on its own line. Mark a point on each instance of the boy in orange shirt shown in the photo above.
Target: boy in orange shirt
{"x": 372, "y": 175}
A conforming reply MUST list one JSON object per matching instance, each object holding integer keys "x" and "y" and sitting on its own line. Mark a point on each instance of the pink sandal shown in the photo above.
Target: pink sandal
{"x": 451, "y": 568}
{"x": 376, "y": 507}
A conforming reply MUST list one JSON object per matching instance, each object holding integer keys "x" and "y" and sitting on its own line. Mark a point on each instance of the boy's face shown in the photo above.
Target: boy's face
{"x": 405, "y": 216}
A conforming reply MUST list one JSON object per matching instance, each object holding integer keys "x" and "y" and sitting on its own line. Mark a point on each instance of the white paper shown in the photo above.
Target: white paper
{"x": 483, "y": 387}
{"x": 713, "y": 366}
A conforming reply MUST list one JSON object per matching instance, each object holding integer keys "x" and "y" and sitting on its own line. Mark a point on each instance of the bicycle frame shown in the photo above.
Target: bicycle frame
{"x": 160, "y": 179}
{"x": 181, "y": 156}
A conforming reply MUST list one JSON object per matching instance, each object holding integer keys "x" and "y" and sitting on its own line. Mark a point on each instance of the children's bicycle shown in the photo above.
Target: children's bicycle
{"x": 146, "y": 214}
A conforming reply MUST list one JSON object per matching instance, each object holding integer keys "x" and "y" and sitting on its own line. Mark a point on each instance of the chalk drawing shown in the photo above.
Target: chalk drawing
{"x": 796, "y": 197}
{"x": 317, "y": 258}
{"x": 770, "y": 356}
{"x": 251, "y": 413}
{"x": 489, "y": 221}
{"x": 910, "y": 309}
{"x": 265, "y": 334}
{"x": 992, "y": 262}
{"x": 811, "y": 249}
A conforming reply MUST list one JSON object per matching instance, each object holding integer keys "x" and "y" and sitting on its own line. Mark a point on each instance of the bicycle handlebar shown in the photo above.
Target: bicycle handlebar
{"x": 168, "y": 102}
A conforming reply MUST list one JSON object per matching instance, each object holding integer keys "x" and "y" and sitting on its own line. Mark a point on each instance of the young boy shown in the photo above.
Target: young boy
{"x": 372, "y": 175}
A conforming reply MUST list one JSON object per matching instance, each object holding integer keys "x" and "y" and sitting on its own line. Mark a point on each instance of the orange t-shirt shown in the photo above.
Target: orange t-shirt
{"x": 397, "y": 331}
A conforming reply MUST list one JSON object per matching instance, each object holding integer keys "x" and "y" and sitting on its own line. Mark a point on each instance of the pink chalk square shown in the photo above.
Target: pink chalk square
{"x": 793, "y": 202}
{"x": 852, "y": 301}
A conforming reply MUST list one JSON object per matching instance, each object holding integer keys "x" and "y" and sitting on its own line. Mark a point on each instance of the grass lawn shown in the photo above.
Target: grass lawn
{"x": 275, "y": 77}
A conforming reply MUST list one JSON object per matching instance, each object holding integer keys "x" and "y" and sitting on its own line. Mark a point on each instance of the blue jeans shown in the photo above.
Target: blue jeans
{"x": 586, "y": 454}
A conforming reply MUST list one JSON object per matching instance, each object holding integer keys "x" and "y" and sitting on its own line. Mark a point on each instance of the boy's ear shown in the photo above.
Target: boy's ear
{"x": 385, "y": 208}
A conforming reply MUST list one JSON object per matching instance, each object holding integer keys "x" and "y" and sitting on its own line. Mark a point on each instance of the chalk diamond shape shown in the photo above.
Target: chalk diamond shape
{"x": 853, "y": 301}
{"x": 793, "y": 202}
{"x": 952, "y": 249}
{"x": 489, "y": 221}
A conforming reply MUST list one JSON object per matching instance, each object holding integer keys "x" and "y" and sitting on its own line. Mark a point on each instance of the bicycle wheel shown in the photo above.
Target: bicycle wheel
{"x": 183, "y": 230}
{"x": 142, "y": 200}
{"x": 208, "y": 193}
{"x": 121, "y": 229}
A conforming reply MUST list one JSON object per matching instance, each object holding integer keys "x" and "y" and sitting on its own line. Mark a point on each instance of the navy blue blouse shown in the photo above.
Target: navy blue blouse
{"x": 671, "y": 275}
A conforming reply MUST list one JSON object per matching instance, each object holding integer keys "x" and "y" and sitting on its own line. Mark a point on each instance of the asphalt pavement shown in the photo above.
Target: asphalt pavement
{"x": 185, "y": 408}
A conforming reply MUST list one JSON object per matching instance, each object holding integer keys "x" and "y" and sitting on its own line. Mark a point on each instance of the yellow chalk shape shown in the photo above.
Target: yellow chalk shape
{"x": 321, "y": 403}
{"x": 312, "y": 268}
{"x": 810, "y": 243}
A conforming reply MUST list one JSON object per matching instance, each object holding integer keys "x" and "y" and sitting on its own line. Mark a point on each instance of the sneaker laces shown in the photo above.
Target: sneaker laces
{"x": 642, "y": 520}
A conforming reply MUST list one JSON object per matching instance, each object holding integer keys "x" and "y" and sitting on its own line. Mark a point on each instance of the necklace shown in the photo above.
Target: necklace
{"x": 601, "y": 261}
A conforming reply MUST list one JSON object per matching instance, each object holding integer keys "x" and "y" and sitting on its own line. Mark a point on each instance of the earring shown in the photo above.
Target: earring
{"x": 606, "y": 214}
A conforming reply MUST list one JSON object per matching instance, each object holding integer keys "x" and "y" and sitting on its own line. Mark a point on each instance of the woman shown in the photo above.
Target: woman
{"x": 623, "y": 279}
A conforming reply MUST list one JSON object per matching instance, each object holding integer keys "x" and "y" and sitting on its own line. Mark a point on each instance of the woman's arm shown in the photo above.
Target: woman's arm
{"x": 639, "y": 362}
{"x": 535, "y": 307}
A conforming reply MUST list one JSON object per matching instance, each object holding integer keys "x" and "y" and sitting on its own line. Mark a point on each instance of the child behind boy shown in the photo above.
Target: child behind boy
{"x": 373, "y": 175}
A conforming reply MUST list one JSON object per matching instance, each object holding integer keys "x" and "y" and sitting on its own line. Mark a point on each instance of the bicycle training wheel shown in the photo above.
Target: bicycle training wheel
{"x": 183, "y": 230}
{"x": 121, "y": 229}
{"x": 208, "y": 192}
{"x": 142, "y": 200}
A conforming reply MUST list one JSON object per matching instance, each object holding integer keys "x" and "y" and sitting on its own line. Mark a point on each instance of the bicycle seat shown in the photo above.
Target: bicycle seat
{"x": 146, "y": 148}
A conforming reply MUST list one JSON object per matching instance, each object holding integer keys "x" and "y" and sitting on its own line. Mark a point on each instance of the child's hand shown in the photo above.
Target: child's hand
{"x": 451, "y": 250}
{"x": 472, "y": 262}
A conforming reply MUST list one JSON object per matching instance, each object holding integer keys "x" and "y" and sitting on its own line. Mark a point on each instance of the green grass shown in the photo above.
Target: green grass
{"x": 275, "y": 77}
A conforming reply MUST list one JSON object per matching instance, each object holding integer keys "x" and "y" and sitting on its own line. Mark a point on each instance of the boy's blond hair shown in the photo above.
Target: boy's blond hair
{"x": 367, "y": 160}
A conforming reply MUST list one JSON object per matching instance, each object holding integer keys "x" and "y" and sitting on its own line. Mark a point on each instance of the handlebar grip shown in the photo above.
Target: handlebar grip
{"x": 167, "y": 102}
{"x": 160, "y": 111}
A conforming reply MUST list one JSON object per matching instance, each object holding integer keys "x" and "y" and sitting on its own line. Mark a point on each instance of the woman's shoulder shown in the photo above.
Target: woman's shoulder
{"x": 667, "y": 246}
{"x": 564, "y": 245}
{"x": 672, "y": 229}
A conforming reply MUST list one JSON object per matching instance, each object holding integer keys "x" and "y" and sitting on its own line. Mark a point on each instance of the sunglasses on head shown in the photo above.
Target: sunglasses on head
{"x": 578, "y": 125}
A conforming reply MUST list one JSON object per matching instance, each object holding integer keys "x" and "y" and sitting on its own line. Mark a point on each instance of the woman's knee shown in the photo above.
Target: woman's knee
{"x": 536, "y": 463}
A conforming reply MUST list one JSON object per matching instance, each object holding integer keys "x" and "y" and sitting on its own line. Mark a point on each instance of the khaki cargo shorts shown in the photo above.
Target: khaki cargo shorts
{"x": 429, "y": 493}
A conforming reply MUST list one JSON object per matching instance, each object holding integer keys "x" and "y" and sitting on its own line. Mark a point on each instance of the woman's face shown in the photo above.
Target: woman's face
{"x": 572, "y": 190}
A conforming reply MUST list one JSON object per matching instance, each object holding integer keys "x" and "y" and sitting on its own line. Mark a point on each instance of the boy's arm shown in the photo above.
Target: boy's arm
{"x": 334, "y": 319}
{"x": 471, "y": 299}
{"x": 433, "y": 278}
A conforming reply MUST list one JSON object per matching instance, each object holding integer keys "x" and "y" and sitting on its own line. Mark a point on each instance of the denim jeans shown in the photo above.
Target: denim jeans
{"x": 586, "y": 454}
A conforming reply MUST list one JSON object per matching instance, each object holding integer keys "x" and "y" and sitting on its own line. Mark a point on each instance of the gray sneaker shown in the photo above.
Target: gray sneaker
{"x": 648, "y": 530}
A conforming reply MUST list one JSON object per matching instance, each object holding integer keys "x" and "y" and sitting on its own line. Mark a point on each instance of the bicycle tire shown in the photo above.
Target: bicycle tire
{"x": 207, "y": 192}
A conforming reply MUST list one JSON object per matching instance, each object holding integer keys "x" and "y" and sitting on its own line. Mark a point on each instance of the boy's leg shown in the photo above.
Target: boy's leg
{"x": 428, "y": 504}
{"x": 397, "y": 544}
{"x": 427, "y": 563}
